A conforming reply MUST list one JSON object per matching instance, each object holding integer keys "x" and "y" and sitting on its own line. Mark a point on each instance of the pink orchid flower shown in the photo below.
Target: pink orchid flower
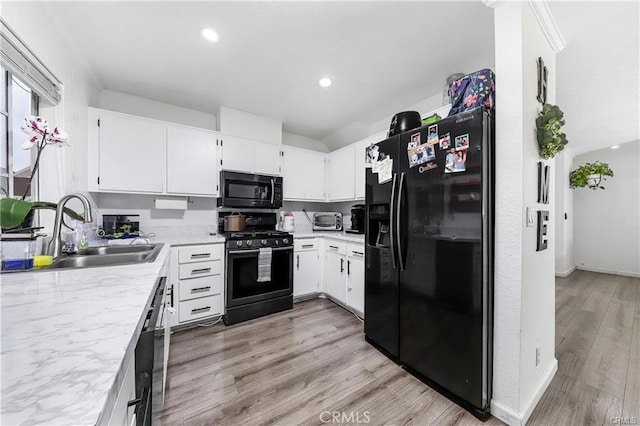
{"x": 29, "y": 143}
{"x": 35, "y": 125}
{"x": 57, "y": 136}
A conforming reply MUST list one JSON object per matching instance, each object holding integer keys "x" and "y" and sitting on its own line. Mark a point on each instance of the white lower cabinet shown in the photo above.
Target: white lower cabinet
{"x": 355, "y": 277}
{"x": 306, "y": 267}
{"x": 197, "y": 276}
{"x": 122, "y": 414}
{"x": 335, "y": 270}
{"x": 344, "y": 273}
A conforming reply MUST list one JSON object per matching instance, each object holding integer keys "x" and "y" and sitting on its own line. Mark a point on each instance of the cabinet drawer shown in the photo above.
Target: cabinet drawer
{"x": 200, "y": 287}
{"x": 200, "y": 308}
{"x": 200, "y": 253}
{"x": 355, "y": 250}
{"x": 334, "y": 246}
{"x": 200, "y": 269}
{"x": 305, "y": 244}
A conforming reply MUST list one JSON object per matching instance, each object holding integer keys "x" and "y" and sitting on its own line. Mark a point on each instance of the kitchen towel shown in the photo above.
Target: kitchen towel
{"x": 264, "y": 264}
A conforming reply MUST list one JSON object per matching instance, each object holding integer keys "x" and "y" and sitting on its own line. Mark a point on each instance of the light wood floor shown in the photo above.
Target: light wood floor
{"x": 289, "y": 368}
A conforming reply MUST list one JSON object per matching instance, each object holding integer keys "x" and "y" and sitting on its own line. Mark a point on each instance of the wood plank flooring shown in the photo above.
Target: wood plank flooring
{"x": 290, "y": 368}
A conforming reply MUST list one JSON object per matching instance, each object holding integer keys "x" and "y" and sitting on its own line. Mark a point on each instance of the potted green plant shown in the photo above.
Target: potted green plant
{"x": 549, "y": 124}
{"x": 18, "y": 213}
{"x": 590, "y": 175}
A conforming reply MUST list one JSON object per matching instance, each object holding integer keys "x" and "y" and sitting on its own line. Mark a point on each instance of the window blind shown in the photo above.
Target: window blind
{"x": 16, "y": 57}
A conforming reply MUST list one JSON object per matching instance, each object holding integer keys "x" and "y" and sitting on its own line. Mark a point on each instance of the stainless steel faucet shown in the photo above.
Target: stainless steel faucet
{"x": 55, "y": 245}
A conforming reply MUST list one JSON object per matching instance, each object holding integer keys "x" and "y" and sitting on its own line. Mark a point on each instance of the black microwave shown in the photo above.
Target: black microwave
{"x": 249, "y": 190}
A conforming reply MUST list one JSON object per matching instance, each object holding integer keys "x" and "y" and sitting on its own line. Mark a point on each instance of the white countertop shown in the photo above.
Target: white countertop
{"x": 64, "y": 336}
{"x": 336, "y": 235}
{"x": 65, "y": 333}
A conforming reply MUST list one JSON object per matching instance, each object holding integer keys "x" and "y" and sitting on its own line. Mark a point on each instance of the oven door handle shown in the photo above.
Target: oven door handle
{"x": 273, "y": 190}
{"x": 258, "y": 250}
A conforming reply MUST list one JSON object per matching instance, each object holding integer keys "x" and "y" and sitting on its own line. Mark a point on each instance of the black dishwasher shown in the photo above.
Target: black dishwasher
{"x": 149, "y": 360}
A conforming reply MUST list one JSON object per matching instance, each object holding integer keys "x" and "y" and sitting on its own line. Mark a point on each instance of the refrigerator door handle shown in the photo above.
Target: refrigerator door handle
{"x": 391, "y": 222}
{"x": 398, "y": 239}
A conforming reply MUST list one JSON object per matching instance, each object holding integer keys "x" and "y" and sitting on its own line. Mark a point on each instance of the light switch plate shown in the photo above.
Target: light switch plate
{"x": 531, "y": 217}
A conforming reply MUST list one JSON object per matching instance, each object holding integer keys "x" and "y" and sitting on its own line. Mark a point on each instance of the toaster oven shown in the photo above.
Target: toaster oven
{"x": 327, "y": 221}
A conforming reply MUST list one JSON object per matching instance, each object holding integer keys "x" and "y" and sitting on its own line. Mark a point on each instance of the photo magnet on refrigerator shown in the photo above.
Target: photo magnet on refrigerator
{"x": 462, "y": 142}
{"x": 455, "y": 161}
{"x": 415, "y": 141}
{"x": 421, "y": 154}
{"x": 371, "y": 156}
{"x": 445, "y": 141}
{"x": 432, "y": 135}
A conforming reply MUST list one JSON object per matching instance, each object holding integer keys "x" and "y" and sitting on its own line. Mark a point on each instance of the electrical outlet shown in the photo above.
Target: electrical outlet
{"x": 537, "y": 356}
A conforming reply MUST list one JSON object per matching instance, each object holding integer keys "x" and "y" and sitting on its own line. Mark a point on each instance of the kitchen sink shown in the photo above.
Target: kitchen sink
{"x": 138, "y": 248}
{"x": 108, "y": 256}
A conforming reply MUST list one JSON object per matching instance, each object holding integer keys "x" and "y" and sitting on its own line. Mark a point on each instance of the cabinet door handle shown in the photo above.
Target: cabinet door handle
{"x": 359, "y": 253}
{"x": 200, "y": 255}
{"x": 307, "y": 246}
{"x": 348, "y": 267}
{"x": 341, "y": 265}
{"x": 298, "y": 262}
{"x": 334, "y": 247}
{"x": 200, "y": 271}
{"x": 200, "y": 289}
{"x": 198, "y": 310}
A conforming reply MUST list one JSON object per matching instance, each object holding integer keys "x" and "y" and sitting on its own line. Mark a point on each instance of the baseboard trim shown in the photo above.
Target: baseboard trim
{"x": 565, "y": 273}
{"x": 512, "y": 418}
{"x": 609, "y": 271}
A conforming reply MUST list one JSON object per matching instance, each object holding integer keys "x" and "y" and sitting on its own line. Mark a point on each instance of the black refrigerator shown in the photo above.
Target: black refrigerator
{"x": 429, "y": 254}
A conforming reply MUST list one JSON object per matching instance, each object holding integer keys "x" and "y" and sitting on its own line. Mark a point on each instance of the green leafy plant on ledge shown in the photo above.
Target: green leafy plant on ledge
{"x": 590, "y": 175}
{"x": 549, "y": 124}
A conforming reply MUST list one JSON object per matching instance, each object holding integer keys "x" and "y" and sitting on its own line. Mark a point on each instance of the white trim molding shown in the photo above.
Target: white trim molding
{"x": 16, "y": 56}
{"x": 513, "y": 418}
{"x": 609, "y": 271}
{"x": 566, "y": 273}
{"x": 548, "y": 24}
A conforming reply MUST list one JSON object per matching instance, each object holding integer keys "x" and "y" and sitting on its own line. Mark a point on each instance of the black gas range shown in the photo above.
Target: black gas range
{"x": 259, "y": 268}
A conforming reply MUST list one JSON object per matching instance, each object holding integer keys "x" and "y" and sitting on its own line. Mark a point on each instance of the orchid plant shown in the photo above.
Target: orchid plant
{"x": 14, "y": 211}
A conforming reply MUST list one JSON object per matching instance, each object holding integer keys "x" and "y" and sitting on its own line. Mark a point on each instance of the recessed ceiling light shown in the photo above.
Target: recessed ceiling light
{"x": 210, "y": 35}
{"x": 615, "y": 147}
{"x": 324, "y": 82}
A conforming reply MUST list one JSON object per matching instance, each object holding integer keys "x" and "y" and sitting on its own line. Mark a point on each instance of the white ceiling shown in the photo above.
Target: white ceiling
{"x": 598, "y": 73}
{"x": 382, "y": 56}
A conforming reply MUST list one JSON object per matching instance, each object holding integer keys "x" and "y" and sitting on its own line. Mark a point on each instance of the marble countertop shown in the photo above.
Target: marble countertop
{"x": 336, "y": 235}
{"x": 64, "y": 336}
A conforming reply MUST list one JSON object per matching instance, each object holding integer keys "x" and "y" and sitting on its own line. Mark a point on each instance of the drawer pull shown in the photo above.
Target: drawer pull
{"x": 199, "y": 310}
{"x": 200, "y": 289}
{"x": 200, "y": 271}
{"x": 307, "y": 246}
{"x": 200, "y": 255}
{"x": 334, "y": 247}
{"x": 357, "y": 252}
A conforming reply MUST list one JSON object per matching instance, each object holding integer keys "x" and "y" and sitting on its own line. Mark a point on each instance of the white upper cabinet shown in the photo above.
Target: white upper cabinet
{"x": 192, "y": 167}
{"x": 245, "y": 155}
{"x": 237, "y": 154}
{"x": 267, "y": 158}
{"x": 303, "y": 174}
{"x": 341, "y": 174}
{"x": 131, "y": 153}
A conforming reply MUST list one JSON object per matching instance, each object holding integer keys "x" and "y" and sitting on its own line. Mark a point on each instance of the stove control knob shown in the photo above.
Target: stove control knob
{"x": 249, "y": 242}
{"x": 264, "y": 242}
{"x": 239, "y": 243}
{"x": 285, "y": 241}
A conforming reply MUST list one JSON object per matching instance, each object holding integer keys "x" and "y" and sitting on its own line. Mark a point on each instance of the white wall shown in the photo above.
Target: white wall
{"x": 524, "y": 299}
{"x": 565, "y": 259}
{"x": 62, "y": 170}
{"x": 607, "y": 222}
{"x": 134, "y": 105}
{"x": 303, "y": 142}
{"x": 250, "y": 126}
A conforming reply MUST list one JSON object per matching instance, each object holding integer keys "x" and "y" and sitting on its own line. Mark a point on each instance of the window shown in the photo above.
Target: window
{"x": 18, "y": 101}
